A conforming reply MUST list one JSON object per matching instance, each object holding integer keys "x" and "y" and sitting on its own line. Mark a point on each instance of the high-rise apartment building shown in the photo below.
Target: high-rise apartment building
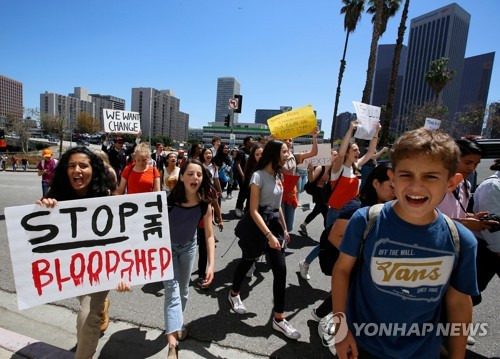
{"x": 160, "y": 115}
{"x": 69, "y": 107}
{"x": 227, "y": 87}
{"x": 106, "y": 102}
{"x": 382, "y": 76}
{"x": 439, "y": 33}
{"x": 11, "y": 98}
{"x": 492, "y": 128}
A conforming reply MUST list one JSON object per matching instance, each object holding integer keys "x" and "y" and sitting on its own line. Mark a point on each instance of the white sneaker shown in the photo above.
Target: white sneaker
{"x": 470, "y": 340}
{"x": 229, "y": 196}
{"x": 304, "y": 270}
{"x": 286, "y": 328}
{"x": 316, "y": 317}
{"x": 238, "y": 212}
{"x": 236, "y": 304}
{"x": 251, "y": 270}
{"x": 327, "y": 325}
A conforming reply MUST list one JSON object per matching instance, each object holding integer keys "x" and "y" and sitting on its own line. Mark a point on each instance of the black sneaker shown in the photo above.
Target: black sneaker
{"x": 303, "y": 230}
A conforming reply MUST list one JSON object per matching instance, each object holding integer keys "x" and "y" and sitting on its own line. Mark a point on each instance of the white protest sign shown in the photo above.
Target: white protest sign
{"x": 432, "y": 124}
{"x": 118, "y": 121}
{"x": 368, "y": 117}
{"x": 86, "y": 246}
{"x": 323, "y": 158}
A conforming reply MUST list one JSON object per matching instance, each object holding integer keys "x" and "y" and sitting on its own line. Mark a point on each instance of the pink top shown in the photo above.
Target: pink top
{"x": 450, "y": 205}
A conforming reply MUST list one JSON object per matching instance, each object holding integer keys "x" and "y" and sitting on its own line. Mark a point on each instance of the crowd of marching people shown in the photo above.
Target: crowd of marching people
{"x": 380, "y": 222}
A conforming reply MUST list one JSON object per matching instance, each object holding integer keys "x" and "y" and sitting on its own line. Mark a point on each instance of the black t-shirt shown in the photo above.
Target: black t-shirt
{"x": 241, "y": 157}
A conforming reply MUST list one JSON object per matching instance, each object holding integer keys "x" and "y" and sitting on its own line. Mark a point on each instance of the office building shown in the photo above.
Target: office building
{"x": 492, "y": 128}
{"x": 476, "y": 79}
{"x": 439, "y": 33}
{"x": 342, "y": 124}
{"x": 382, "y": 76}
{"x": 68, "y": 107}
{"x": 227, "y": 87}
{"x": 160, "y": 114}
{"x": 11, "y": 98}
{"x": 106, "y": 102}
{"x": 262, "y": 115}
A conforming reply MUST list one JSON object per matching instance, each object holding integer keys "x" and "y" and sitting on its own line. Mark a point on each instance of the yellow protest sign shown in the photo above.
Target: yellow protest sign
{"x": 291, "y": 124}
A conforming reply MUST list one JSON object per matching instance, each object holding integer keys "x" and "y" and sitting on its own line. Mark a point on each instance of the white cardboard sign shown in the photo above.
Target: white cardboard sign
{"x": 432, "y": 124}
{"x": 323, "y": 158}
{"x": 368, "y": 117}
{"x": 117, "y": 121}
{"x": 86, "y": 246}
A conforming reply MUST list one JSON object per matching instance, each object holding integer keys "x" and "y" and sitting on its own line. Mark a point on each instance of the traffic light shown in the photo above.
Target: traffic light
{"x": 227, "y": 120}
{"x": 240, "y": 102}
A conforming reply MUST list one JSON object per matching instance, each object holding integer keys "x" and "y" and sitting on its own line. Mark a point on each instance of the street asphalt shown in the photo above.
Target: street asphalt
{"x": 214, "y": 330}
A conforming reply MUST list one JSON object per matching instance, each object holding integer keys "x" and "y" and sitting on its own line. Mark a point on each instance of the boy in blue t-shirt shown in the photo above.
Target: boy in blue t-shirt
{"x": 409, "y": 264}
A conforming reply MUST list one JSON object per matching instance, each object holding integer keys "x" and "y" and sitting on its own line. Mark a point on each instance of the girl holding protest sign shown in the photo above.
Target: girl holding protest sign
{"x": 82, "y": 174}
{"x": 189, "y": 201}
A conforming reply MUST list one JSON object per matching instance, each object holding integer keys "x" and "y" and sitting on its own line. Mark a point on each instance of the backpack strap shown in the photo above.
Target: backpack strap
{"x": 454, "y": 233}
{"x": 372, "y": 215}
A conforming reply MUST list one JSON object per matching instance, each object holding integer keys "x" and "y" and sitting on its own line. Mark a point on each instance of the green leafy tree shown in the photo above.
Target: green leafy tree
{"x": 387, "y": 110}
{"x": 87, "y": 124}
{"x": 418, "y": 114}
{"x": 352, "y": 11}
{"x": 439, "y": 76}
{"x": 382, "y": 10}
{"x": 56, "y": 126}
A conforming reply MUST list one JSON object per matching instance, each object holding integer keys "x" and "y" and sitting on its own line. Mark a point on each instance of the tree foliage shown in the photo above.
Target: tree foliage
{"x": 54, "y": 125}
{"x": 87, "y": 124}
{"x": 439, "y": 76}
{"x": 352, "y": 10}
{"x": 418, "y": 114}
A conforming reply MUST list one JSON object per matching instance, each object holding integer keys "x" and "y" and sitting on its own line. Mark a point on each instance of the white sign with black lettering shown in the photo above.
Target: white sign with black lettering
{"x": 117, "y": 121}
{"x": 323, "y": 158}
{"x": 368, "y": 117}
{"x": 89, "y": 245}
{"x": 432, "y": 124}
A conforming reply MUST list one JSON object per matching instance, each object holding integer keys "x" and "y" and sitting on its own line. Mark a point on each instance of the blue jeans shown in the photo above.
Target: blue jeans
{"x": 302, "y": 180}
{"x": 289, "y": 214}
{"x": 45, "y": 188}
{"x": 313, "y": 254}
{"x": 177, "y": 289}
{"x": 331, "y": 216}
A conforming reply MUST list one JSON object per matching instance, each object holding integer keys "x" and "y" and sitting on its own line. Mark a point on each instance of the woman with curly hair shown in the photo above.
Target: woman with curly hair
{"x": 82, "y": 174}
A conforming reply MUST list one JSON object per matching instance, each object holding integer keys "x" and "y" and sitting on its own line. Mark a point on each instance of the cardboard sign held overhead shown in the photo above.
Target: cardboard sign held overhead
{"x": 291, "y": 124}
{"x": 368, "y": 117}
{"x": 117, "y": 121}
{"x": 323, "y": 158}
{"x": 432, "y": 124}
{"x": 87, "y": 246}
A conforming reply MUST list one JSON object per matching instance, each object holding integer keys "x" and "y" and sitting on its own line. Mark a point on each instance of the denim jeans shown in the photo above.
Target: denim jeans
{"x": 313, "y": 254}
{"x": 289, "y": 214}
{"x": 302, "y": 180}
{"x": 177, "y": 289}
{"x": 331, "y": 216}
{"x": 45, "y": 188}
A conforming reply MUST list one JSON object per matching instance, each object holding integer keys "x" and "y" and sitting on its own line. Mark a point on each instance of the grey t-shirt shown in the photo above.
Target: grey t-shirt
{"x": 271, "y": 189}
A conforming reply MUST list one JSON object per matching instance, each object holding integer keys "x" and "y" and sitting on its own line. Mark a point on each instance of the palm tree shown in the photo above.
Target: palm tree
{"x": 387, "y": 111}
{"x": 439, "y": 76}
{"x": 352, "y": 10}
{"x": 382, "y": 10}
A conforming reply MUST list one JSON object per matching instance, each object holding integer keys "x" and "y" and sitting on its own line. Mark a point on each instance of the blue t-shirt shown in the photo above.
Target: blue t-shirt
{"x": 404, "y": 274}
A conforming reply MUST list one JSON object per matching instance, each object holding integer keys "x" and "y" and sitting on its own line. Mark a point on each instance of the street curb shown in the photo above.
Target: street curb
{"x": 29, "y": 347}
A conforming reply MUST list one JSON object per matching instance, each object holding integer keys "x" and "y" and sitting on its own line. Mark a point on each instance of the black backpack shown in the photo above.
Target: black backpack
{"x": 310, "y": 187}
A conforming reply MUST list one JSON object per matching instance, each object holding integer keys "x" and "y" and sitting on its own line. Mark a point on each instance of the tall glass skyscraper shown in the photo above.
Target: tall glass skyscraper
{"x": 439, "y": 33}
{"x": 227, "y": 87}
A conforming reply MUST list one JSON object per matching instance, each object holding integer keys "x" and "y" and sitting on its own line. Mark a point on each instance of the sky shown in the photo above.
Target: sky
{"x": 281, "y": 52}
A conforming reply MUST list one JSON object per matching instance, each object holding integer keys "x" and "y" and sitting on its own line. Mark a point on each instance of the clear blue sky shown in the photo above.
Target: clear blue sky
{"x": 281, "y": 52}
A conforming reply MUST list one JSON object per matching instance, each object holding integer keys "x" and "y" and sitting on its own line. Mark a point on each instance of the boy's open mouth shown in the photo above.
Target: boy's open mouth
{"x": 416, "y": 200}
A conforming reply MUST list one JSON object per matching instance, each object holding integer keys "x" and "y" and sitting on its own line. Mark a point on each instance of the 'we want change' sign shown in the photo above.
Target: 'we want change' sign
{"x": 86, "y": 246}
{"x": 117, "y": 121}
